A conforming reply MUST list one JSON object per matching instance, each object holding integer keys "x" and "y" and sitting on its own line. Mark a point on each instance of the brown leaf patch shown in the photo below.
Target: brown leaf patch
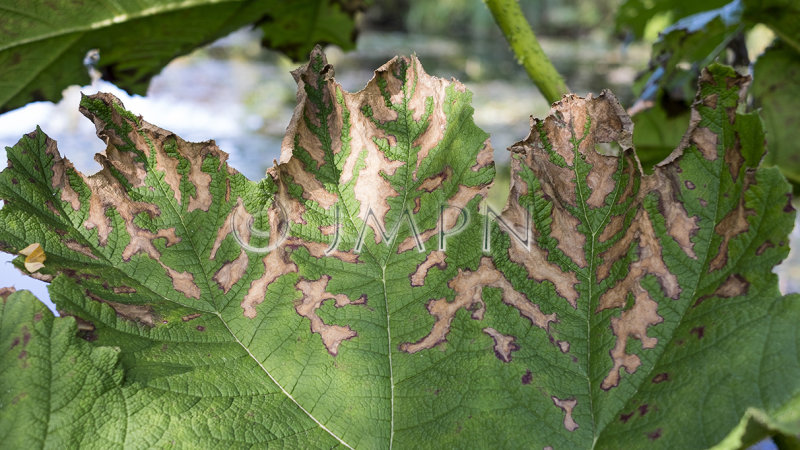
{"x": 733, "y": 286}
{"x": 567, "y": 405}
{"x": 468, "y": 286}
{"x": 732, "y": 225}
{"x": 434, "y": 259}
{"x": 503, "y": 345}
{"x": 314, "y": 295}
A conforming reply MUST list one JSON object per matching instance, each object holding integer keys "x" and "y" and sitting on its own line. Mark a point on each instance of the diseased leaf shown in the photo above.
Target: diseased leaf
{"x": 43, "y": 44}
{"x": 359, "y": 296}
{"x": 58, "y": 390}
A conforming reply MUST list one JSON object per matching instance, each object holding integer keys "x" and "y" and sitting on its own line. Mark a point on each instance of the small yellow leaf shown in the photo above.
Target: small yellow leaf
{"x": 34, "y": 257}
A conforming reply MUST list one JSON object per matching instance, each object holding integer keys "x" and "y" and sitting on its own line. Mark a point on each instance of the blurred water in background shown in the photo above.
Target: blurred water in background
{"x": 243, "y": 97}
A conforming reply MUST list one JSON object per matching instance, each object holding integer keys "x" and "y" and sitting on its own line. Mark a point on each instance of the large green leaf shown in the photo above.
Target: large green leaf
{"x": 642, "y": 311}
{"x": 43, "y": 44}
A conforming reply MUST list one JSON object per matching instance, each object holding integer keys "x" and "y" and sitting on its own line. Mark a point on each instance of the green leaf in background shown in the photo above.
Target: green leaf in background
{"x": 784, "y": 430}
{"x": 781, "y": 16}
{"x": 43, "y": 44}
{"x": 687, "y": 46}
{"x": 776, "y": 83}
{"x": 635, "y": 15}
{"x": 347, "y": 299}
{"x": 657, "y": 134}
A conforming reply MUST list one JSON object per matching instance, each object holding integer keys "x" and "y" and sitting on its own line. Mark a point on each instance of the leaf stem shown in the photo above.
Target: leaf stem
{"x": 529, "y": 53}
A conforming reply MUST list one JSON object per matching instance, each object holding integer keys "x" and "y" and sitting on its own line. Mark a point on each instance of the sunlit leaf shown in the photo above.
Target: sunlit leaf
{"x": 360, "y": 296}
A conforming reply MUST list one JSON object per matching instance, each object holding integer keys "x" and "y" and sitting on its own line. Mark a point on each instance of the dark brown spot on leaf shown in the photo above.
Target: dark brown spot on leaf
{"x": 653, "y": 435}
{"x": 763, "y": 247}
{"x": 527, "y": 377}
{"x": 698, "y": 331}
{"x": 201, "y": 328}
{"x": 660, "y": 378}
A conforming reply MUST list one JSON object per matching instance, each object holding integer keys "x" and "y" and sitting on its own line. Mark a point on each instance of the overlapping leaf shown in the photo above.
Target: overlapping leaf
{"x": 358, "y": 296}
{"x": 43, "y": 44}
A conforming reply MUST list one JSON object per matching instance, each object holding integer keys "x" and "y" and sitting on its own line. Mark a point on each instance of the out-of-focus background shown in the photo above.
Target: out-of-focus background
{"x": 242, "y": 96}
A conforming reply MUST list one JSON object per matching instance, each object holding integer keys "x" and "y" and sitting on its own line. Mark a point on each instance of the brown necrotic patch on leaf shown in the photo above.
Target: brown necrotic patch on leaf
{"x": 633, "y": 323}
{"x": 468, "y": 287}
{"x": 61, "y": 168}
{"x": 665, "y": 185}
{"x": 567, "y": 405}
{"x": 238, "y": 220}
{"x": 503, "y": 344}
{"x": 137, "y": 313}
{"x": 733, "y": 286}
{"x": 449, "y": 216}
{"x": 231, "y": 272}
{"x": 434, "y": 259}
{"x": 763, "y": 247}
{"x": 5, "y": 292}
{"x": 534, "y": 258}
{"x": 277, "y": 262}
{"x": 650, "y": 261}
{"x": 80, "y": 248}
{"x": 371, "y": 189}
{"x": 314, "y": 295}
{"x": 660, "y": 378}
{"x": 733, "y": 224}
{"x": 706, "y": 141}
{"x": 434, "y": 182}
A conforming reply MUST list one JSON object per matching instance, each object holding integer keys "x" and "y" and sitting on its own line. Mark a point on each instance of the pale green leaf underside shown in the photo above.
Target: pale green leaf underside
{"x": 642, "y": 312}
